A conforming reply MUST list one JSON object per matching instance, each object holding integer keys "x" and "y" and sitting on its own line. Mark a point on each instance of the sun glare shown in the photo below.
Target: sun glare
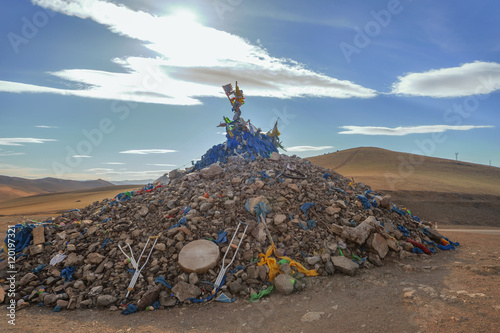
{"x": 184, "y": 16}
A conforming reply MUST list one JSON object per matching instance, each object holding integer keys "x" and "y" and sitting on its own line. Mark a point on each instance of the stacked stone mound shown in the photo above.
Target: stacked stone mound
{"x": 216, "y": 196}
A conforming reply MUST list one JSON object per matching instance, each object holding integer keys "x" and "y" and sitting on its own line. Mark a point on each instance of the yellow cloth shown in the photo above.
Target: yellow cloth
{"x": 274, "y": 269}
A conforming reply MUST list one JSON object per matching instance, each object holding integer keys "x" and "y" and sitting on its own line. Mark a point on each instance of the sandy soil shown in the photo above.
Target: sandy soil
{"x": 58, "y": 203}
{"x": 452, "y": 291}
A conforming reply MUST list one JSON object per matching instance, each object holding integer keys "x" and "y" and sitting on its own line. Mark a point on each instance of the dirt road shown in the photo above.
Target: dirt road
{"x": 475, "y": 231}
{"x": 452, "y": 291}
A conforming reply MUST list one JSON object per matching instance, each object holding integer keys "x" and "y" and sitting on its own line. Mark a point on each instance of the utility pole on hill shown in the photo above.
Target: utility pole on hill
{"x": 456, "y": 156}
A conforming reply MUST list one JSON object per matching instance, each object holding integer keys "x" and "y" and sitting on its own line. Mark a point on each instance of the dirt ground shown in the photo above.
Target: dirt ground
{"x": 455, "y": 291}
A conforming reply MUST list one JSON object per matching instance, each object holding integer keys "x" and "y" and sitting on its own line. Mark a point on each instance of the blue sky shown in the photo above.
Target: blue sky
{"x": 131, "y": 89}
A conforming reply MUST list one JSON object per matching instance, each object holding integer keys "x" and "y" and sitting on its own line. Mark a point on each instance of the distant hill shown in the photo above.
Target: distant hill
{"x": 57, "y": 203}
{"x": 441, "y": 190}
{"x": 389, "y": 170}
{"x": 16, "y": 187}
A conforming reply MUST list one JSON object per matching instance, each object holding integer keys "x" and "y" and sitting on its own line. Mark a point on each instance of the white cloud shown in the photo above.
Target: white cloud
{"x": 45, "y": 126}
{"x": 468, "y": 79}
{"x": 193, "y": 61}
{"x": 162, "y": 165}
{"x": 81, "y": 156}
{"x": 100, "y": 170}
{"x": 20, "y": 141}
{"x": 148, "y": 151}
{"x": 114, "y": 163}
{"x": 399, "y": 131}
{"x": 308, "y": 148}
{"x": 10, "y": 153}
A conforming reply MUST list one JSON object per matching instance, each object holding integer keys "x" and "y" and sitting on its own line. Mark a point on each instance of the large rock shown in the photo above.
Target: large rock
{"x": 38, "y": 235}
{"x": 389, "y": 227}
{"x": 105, "y": 300}
{"x": 329, "y": 268}
{"x": 166, "y": 299}
{"x": 256, "y": 200}
{"x": 73, "y": 259}
{"x": 360, "y": 233}
{"x": 95, "y": 258}
{"x": 386, "y": 202}
{"x": 279, "y": 218}
{"x": 199, "y": 256}
{"x": 174, "y": 174}
{"x": 374, "y": 259}
{"x": 330, "y": 210}
{"x": 313, "y": 260}
{"x": 27, "y": 279}
{"x": 434, "y": 235}
{"x": 294, "y": 187}
{"x": 62, "y": 303}
{"x": 36, "y": 249}
{"x": 148, "y": 298}
{"x": 275, "y": 156}
{"x": 259, "y": 233}
{"x": 345, "y": 265}
{"x": 205, "y": 206}
{"x": 49, "y": 299}
{"x": 284, "y": 283}
{"x": 94, "y": 291}
{"x": 144, "y": 211}
{"x": 183, "y": 291}
{"x": 235, "y": 287}
{"x": 378, "y": 244}
{"x": 212, "y": 171}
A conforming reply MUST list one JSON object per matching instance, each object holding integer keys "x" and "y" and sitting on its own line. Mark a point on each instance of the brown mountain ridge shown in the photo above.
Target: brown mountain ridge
{"x": 16, "y": 187}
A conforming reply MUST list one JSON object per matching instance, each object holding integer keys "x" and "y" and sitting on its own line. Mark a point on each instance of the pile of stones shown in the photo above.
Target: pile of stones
{"x": 346, "y": 228}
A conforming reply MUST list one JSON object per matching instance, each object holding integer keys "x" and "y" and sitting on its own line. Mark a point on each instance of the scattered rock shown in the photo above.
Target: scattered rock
{"x": 174, "y": 174}
{"x": 329, "y": 268}
{"x": 62, "y": 303}
{"x": 332, "y": 210}
{"x": 279, "y": 218}
{"x": 144, "y": 211}
{"x": 166, "y": 299}
{"x": 235, "y": 287}
{"x": 374, "y": 259}
{"x": 38, "y": 235}
{"x": 73, "y": 259}
{"x": 193, "y": 278}
{"x": 95, "y": 258}
{"x": 345, "y": 265}
{"x": 386, "y": 202}
{"x": 212, "y": 171}
{"x": 27, "y": 279}
{"x": 148, "y": 298}
{"x": 378, "y": 243}
{"x": 275, "y": 156}
{"x": 183, "y": 291}
{"x": 311, "y": 316}
{"x": 313, "y": 260}
{"x": 105, "y": 300}
{"x": 284, "y": 283}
